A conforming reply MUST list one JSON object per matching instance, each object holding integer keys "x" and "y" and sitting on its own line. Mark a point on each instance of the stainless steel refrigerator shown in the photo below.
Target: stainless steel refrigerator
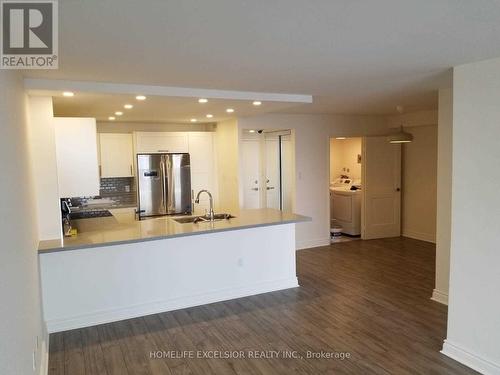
{"x": 164, "y": 184}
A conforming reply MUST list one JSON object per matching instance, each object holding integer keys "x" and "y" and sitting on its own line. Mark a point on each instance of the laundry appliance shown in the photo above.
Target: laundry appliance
{"x": 345, "y": 205}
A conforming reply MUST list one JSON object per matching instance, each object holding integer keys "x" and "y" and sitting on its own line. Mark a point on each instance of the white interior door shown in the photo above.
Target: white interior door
{"x": 287, "y": 173}
{"x": 250, "y": 156}
{"x": 272, "y": 181}
{"x": 381, "y": 209}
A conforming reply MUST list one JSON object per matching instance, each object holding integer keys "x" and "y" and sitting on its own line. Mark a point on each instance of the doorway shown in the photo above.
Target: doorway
{"x": 267, "y": 169}
{"x": 365, "y": 188}
{"x": 345, "y": 188}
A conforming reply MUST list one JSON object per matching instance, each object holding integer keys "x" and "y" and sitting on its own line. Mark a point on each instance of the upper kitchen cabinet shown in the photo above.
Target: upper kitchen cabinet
{"x": 76, "y": 153}
{"x": 152, "y": 142}
{"x": 116, "y": 155}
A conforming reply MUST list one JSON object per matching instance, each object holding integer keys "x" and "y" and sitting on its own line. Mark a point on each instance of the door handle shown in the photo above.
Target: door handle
{"x": 254, "y": 189}
{"x": 270, "y": 188}
{"x": 398, "y": 189}
{"x": 163, "y": 187}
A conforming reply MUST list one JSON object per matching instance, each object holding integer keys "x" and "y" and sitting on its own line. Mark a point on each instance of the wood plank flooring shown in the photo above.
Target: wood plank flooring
{"x": 366, "y": 299}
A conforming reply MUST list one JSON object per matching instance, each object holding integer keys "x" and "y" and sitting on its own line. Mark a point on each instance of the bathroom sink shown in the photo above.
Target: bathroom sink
{"x": 201, "y": 219}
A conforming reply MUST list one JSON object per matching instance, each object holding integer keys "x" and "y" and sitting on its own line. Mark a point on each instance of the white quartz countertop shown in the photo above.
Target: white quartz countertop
{"x": 123, "y": 228}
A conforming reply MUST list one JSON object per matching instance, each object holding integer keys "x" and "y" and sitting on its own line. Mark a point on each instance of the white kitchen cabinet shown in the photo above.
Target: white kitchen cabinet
{"x": 116, "y": 155}
{"x": 76, "y": 153}
{"x": 152, "y": 142}
{"x": 203, "y": 172}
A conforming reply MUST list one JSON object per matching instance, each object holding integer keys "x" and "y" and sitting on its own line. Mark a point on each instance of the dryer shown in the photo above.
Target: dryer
{"x": 345, "y": 205}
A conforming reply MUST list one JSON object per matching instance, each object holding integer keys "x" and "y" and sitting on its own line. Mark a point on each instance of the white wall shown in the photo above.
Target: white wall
{"x": 312, "y": 142}
{"x": 344, "y": 154}
{"x": 419, "y": 167}
{"x": 411, "y": 119}
{"x": 474, "y": 298}
{"x": 20, "y": 311}
{"x": 43, "y": 149}
{"x": 444, "y": 180}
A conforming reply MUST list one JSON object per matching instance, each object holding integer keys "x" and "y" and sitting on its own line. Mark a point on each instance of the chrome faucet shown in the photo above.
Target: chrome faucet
{"x": 197, "y": 201}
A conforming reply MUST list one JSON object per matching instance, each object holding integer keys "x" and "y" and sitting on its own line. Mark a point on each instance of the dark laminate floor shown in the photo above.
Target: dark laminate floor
{"x": 367, "y": 298}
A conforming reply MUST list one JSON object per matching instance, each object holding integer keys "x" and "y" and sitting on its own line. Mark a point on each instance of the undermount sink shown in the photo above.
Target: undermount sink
{"x": 203, "y": 219}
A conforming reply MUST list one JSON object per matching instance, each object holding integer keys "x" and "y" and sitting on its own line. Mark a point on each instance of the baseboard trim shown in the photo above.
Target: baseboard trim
{"x": 469, "y": 359}
{"x": 419, "y": 236}
{"x": 108, "y": 316}
{"x": 439, "y": 297}
{"x": 44, "y": 361}
{"x": 307, "y": 244}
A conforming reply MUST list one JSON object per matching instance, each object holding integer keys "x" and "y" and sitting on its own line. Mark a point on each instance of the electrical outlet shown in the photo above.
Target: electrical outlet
{"x": 240, "y": 262}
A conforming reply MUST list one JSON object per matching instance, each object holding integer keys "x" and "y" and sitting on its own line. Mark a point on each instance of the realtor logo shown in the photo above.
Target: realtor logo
{"x": 29, "y": 34}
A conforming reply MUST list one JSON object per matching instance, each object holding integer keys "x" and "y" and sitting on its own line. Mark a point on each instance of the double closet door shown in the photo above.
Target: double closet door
{"x": 267, "y": 170}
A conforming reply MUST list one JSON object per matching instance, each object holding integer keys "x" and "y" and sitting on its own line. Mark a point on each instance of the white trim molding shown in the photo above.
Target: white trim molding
{"x": 307, "y": 244}
{"x": 440, "y": 297}
{"x": 469, "y": 359}
{"x": 108, "y": 316}
{"x": 44, "y": 361}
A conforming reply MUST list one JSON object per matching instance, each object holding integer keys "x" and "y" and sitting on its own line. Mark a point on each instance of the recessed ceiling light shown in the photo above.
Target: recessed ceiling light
{"x": 118, "y": 113}
{"x": 128, "y": 106}
{"x": 193, "y": 120}
{"x": 257, "y": 102}
{"x": 140, "y": 97}
{"x": 111, "y": 118}
{"x": 251, "y": 131}
{"x": 210, "y": 116}
{"x": 68, "y": 94}
{"x": 202, "y": 100}
{"x": 229, "y": 110}
{"x": 340, "y": 138}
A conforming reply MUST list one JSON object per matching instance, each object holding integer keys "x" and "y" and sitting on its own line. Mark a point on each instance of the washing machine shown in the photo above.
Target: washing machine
{"x": 345, "y": 205}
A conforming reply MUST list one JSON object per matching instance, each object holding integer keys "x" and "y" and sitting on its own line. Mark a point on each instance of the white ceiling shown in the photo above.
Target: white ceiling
{"x": 353, "y": 56}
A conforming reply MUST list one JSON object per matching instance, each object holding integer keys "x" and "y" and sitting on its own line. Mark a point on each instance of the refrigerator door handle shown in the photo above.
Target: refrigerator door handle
{"x": 170, "y": 197}
{"x": 163, "y": 187}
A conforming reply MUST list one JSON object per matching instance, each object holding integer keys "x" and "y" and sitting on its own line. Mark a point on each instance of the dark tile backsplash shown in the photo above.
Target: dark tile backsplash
{"x": 117, "y": 185}
{"x": 122, "y": 190}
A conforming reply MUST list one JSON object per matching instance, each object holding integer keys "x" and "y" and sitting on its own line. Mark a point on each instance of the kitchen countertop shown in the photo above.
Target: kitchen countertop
{"x": 122, "y": 228}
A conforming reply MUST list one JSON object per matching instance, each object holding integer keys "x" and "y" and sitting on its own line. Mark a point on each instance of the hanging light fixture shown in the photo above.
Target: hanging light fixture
{"x": 401, "y": 136}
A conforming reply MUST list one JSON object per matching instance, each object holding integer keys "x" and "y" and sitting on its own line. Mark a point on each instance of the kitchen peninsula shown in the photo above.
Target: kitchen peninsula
{"x": 118, "y": 267}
